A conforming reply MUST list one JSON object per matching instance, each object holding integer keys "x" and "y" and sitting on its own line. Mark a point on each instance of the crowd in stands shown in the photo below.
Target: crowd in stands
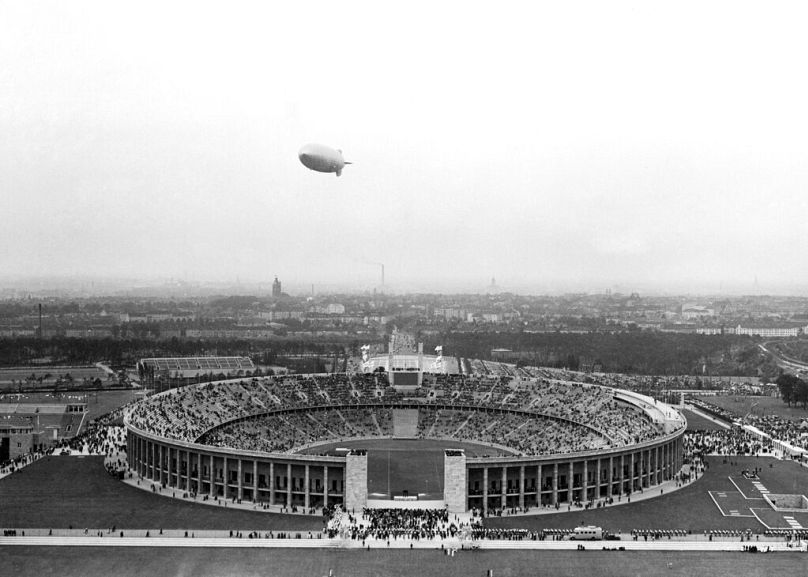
{"x": 532, "y": 417}
{"x": 281, "y": 432}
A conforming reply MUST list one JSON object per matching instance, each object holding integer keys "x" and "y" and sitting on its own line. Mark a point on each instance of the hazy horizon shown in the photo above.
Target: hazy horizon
{"x": 558, "y": 148}
{"x": 158, "y": 286}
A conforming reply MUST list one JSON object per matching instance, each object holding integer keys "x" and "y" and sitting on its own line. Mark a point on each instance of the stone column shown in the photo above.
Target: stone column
{"x": 570, "y": 482}
{"x": 585, "y": 482}
{"x": 455, "y": 482}
{"x": 610, "y": 476}
{"x": 555, "y": 484}
{"x": 255, "y": 481}
{"x": 538, "y": 484}
{"x": 272, "y": 482}
{"x": 212, "y": 478}
{"x": 621, "y": 474}
{"x": 485, "y": 490}
{"x": 240, "y": 493}
{"x": 306, "y": 489}
{"x": 325, "y": 485}
{"x": 356, "y": 481}
{"x": 522, "y": 487}
{"x": 598, "y": 477}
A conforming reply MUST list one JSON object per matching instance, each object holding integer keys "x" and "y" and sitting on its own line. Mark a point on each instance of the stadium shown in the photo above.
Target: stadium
{"x": 406, "y": 432}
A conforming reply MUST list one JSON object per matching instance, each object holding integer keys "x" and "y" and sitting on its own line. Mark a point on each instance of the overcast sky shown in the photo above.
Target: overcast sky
{"x": 563, "y": 146}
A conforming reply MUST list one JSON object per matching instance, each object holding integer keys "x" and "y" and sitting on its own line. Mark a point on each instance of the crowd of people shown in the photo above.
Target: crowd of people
{"x": 734, "y": 441}
{"x": 533, "y": 417}
{"x": 791, "y": 431}
{"x": 393, "y": 523}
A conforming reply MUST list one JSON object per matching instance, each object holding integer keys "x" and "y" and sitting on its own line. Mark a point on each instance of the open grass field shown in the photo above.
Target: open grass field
{"x": 9, "y": 376}
{"x": 698, "y": 423}
{"x": 741, "y": 405}
{"x": 24, "y": 561}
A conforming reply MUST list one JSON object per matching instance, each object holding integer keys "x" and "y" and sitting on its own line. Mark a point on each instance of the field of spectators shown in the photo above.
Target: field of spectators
{"x": 533, "y": 416}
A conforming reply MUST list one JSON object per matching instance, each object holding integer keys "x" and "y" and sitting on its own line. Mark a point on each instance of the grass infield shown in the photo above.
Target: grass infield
{"x": 742, "y": 405}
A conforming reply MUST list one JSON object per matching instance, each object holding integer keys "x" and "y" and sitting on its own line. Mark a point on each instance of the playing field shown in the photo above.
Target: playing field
{"x": 25, "y": 561}
{"x": 399, "y": 466}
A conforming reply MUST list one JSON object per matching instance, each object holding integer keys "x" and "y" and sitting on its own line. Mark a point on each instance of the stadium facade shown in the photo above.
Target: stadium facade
{"x": 506, "y": 480}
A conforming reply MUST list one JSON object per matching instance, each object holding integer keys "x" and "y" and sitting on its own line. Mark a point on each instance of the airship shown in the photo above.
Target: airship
{"x": 322, "y": 158}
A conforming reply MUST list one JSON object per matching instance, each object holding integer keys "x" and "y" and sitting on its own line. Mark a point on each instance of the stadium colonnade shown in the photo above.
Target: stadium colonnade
{"x": 484, "y": 483}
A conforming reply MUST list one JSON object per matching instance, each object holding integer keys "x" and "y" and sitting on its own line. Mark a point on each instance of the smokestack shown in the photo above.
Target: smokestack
{"x": 382, "y": 276}
{"x": 40, "y": 320}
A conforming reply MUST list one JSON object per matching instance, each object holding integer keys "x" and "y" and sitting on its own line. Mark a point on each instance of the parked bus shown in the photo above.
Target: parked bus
{"x": 587, "y": 533}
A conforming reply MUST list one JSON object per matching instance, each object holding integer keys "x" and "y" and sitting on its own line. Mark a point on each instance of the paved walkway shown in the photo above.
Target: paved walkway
{"x": 112, "y": 540}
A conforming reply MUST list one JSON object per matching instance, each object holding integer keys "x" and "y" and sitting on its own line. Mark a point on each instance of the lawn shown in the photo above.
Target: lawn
{"x": 742, "y": 405}
{"x": 25, "y": 561}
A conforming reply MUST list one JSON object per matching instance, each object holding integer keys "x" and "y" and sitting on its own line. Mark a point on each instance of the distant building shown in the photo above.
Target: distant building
{"x": 692, "y": 311}
{"x": 276, "y": 288}
{"x": 769, "y": 331}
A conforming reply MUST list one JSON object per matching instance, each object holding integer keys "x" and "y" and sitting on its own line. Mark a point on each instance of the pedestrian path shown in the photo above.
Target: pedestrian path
{"x": 223, "y": 542}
